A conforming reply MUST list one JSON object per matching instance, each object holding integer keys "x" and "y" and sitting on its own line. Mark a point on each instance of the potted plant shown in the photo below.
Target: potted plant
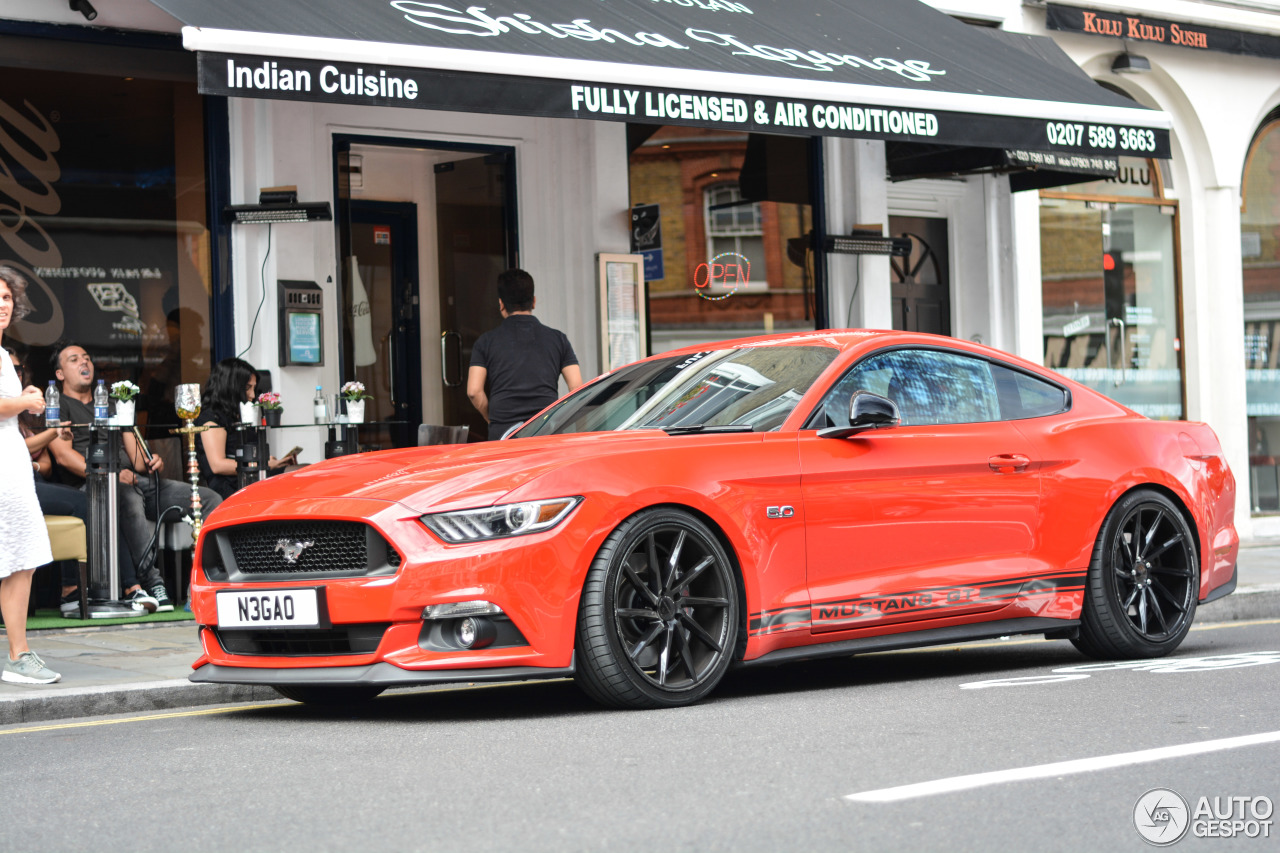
{"x": 123, "y": 393}
{"x": 269, "y": 401}
{"x": 353, "y": 394}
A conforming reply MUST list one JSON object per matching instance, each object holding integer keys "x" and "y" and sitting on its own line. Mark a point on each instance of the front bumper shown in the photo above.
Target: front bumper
{"x": 535, "y": 580}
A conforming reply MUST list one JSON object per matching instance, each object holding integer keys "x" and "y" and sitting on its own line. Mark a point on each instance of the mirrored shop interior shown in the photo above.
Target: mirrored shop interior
{"x": 103, "y": 210}
{"x": 734, "y": 221}
{"x": 1110, "y": 300}
{"x": 1260, "y": 247}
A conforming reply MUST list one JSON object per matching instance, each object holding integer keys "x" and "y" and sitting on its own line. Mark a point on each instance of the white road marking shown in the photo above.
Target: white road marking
{"x": 1060, "y": 768}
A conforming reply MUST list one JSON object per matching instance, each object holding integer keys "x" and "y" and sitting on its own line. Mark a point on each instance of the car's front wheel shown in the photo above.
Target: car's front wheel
{"x": 658, "y": 620}
{"x": 1143, "y": 581}
{"x": 317, "y": 694}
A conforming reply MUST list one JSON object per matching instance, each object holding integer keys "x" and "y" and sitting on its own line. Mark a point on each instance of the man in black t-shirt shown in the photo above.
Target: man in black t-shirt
{"x": 521, "y": 360}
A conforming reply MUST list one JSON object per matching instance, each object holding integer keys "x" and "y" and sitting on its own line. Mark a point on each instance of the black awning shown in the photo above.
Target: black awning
{"x": 1027, "y": 169}
{"x": 882, "y": 69}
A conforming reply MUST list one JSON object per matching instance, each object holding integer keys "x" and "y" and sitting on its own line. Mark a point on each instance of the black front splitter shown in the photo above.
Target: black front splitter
{"x": 375, "y": 674}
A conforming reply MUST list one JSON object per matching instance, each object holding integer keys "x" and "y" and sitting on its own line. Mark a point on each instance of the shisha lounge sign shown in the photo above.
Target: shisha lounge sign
{"x": 27, "y": 146}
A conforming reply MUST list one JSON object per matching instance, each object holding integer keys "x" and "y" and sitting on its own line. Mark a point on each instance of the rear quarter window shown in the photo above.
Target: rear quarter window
{"x": 1025, "y": 396}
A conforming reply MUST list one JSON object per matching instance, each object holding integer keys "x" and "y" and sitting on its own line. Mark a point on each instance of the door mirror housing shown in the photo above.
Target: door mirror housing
{"x": 866, "y": 411}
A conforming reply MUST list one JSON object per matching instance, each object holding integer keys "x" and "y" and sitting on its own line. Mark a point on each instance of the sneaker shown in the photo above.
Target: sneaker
{"x": 28, "y": 669}
{"x": 161, "y": 595}
{"x": 141, "y": 602}
{"x": 70, "y": 606}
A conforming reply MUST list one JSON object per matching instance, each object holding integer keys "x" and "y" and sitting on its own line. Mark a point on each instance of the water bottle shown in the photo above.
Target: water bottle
{"x": 100, "y": 414}
{"x": 52, "y": 406}
{"x": 319, "y": 408}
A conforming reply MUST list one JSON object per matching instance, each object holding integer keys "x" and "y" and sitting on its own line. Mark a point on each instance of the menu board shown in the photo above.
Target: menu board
{"x": 623, "y": 335}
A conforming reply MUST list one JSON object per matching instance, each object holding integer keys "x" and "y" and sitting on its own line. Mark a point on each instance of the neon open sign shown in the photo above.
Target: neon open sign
{"x": 726, "y": 270}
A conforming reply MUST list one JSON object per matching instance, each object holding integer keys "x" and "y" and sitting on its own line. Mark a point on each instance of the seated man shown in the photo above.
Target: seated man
{"x": 140, "y": 482}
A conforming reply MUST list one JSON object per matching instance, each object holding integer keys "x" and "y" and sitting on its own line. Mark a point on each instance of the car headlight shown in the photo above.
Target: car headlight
{"x": 499, "y": 522}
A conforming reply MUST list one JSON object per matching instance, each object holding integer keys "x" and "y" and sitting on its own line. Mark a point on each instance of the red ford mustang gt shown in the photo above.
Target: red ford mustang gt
{"x": 772, "y": 499}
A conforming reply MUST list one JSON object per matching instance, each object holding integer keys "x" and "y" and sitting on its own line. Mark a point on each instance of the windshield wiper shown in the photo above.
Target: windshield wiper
{"x": 696, "y": 428}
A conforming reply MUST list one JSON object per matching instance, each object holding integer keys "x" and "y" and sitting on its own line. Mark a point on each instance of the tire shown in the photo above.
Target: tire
{"x": 658, "y": 620}
{"x": 318, "y": 694}
{"x": 1143, "y": 581}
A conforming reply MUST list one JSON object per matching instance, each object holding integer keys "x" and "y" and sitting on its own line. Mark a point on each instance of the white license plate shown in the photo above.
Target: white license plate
{"x": 268, "y": 608}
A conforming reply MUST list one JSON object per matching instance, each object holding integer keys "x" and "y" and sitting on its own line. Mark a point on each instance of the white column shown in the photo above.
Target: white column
{"x": 1213, "y": 322}
{"x": 857, "y": 194}
{"x": 1027, "y": 291}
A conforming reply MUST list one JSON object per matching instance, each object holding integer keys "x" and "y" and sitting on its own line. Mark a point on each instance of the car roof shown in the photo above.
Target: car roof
{"x": 846, "y": 340}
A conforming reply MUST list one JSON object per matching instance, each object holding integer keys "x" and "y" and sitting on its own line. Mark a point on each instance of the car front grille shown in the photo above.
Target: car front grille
{"x": 293, "y": 549}
{"x": 334, "y": 546}
{"x": 359, "y": 639}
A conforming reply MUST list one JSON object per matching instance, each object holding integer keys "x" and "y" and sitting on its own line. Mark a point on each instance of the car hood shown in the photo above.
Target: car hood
{"x": 443, "y": 477}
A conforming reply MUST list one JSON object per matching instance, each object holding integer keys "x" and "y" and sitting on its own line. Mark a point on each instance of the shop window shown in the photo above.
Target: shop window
{"x": 735, "y": 230}
{"x": 105, "y": 214}
{"x": 1260, "y": 253}
{"x": 1110, "y": 290}
{"x": 698, "y": 178}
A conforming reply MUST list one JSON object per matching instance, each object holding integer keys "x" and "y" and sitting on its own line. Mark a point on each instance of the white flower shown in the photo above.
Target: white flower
{"x": 124, "y": 390}
{"x": 354, "y": 391}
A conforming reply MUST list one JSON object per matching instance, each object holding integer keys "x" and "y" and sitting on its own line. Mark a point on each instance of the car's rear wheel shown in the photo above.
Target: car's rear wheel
{"x": 1143, "y": 580}
{"x": 318, "y": 694}
{"x": 658, "y": 620}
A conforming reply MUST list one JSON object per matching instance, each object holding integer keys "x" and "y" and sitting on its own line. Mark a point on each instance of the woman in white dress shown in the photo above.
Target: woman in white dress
{"x": 24, "y": 540}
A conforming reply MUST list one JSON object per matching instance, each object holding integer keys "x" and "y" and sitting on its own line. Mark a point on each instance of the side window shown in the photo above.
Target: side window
{"x": 931, "y": 387}
{"x": 1025, "y": 396}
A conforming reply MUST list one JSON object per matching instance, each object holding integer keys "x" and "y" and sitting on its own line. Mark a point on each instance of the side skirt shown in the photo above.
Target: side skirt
{"x": 916, "y": 639}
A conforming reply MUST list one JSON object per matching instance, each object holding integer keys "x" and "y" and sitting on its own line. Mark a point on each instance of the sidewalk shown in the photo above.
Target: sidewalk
{"x": 143, "y": 667}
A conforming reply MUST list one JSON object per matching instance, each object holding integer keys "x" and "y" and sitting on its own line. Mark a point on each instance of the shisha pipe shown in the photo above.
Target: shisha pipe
{"x": 187, "y": 404}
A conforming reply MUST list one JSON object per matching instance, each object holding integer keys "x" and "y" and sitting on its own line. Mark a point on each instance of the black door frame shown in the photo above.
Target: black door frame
{"x": 402, "y": 216}
{"x": 342, "y": 143}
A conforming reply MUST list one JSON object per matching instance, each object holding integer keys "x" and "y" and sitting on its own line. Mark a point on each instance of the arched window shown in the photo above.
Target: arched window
{"x": 1260, "y": 258}
{"x": 735, "y": 226}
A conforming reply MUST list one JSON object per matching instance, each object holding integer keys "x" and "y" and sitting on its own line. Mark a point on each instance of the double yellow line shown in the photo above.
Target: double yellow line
{"x": 201, "y": 713}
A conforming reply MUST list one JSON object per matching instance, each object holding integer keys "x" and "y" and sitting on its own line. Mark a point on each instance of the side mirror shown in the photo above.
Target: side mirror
{"x": 866, "y": 411}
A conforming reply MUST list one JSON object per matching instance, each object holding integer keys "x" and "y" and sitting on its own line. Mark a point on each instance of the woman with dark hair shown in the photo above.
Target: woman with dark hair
{"x": 22, "y": 532}
{"x": 233, "y": 381}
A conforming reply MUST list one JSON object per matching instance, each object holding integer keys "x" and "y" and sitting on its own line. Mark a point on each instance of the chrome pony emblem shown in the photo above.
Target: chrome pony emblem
{"x": 292, "y": 549}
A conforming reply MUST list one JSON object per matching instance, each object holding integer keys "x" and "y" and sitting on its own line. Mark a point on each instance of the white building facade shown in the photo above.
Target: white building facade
{"x": 1135, "y": 285}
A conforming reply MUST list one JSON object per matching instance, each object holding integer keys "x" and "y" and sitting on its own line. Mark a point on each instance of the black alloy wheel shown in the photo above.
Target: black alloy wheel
{"x": 658, "y": 621}
{"x": 1143, "y": 581}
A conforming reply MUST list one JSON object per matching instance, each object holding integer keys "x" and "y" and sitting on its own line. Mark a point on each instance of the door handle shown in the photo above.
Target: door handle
{"x": 1116, "y": 321}
{"x": 1009, "y": 463}
{"x": 444, "y": 359}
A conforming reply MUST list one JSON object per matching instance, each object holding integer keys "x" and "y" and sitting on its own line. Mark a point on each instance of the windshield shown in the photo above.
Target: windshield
{"x": 752, "y": 387}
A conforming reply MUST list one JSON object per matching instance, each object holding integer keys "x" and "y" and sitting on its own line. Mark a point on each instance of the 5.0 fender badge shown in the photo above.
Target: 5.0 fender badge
{"x": 779, "y": 511}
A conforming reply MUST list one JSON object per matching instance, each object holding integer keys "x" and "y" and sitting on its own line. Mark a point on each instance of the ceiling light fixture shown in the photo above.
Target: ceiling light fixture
{"x": 1130, "y": 63}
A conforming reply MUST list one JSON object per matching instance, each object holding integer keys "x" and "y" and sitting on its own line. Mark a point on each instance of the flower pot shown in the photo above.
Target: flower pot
{"x": 124, "y": 413}
{"x": 272, "y": 416}
{"x": 249, "y": 414}
{"x": 355, "y": 411}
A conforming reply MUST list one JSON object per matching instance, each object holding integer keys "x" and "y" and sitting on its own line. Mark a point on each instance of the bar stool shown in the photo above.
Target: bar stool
{"x": 68, "y": 541}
